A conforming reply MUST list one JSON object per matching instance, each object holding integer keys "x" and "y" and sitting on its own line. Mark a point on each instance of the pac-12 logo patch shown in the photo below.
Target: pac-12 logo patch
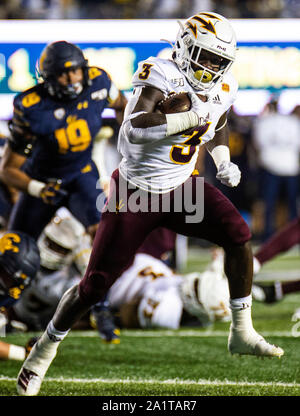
{"x": 225, "y": 87}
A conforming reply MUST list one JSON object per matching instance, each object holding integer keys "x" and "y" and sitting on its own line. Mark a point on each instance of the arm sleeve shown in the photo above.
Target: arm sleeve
{"x": 149, "y": 74}
{"x": 142, "y": 135}
{"x": 21, "y": 138}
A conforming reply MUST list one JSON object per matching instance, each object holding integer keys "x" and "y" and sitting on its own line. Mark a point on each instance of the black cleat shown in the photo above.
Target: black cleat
{"x": 267, "y": 293}
{"x": 103, "y": 320}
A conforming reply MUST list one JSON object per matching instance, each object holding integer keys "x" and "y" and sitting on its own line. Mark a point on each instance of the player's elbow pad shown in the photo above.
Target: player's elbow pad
{"x": 138, "y": 135}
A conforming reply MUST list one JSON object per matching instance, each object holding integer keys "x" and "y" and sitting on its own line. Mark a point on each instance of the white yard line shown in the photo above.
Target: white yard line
{"x": 170, "y": 333}
{"x": 277, "y": 275}
{"x": 201, "y": 382}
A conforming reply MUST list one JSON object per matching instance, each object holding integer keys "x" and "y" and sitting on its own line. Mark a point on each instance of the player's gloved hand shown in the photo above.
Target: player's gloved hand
{"x": 228, "y": 173}
{"x": 52, "y": 193}
{"x": 197, "y": 107}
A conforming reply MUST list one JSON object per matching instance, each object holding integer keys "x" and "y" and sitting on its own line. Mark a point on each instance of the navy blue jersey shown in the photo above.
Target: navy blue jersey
{"x": 5, "y": 196}
{"x": 63, "y": 130}
{"x": 7, "y": 301}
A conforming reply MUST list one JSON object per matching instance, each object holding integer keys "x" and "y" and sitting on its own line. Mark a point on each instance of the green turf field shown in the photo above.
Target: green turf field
{"x": 187, "y": 362}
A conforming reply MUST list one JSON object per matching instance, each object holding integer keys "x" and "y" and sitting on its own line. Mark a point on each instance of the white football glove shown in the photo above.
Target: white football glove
{"x": 228, "y": 173}
{"x": 197, "y": 107}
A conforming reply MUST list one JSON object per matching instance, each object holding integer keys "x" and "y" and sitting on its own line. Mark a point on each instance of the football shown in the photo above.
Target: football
{"x": 175, "y": 103}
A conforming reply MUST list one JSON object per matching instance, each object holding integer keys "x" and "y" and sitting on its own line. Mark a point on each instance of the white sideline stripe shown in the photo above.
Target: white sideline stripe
{"x": 200, "y": 382}
{"x": 170, "y": 333}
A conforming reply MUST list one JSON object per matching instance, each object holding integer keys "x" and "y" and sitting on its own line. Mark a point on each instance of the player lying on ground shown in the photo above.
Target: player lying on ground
{"x": 65, "y": 249}
{"x": 19, "y": 263}
{"x": 151, "y": 295}
{"x": 159, "y": 155}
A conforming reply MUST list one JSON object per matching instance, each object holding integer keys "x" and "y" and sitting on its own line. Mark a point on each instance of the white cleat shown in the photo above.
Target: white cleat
{"x": 251, "y": 343}
{"x": 34, "y": 368}
{"x": 28, "y": 383}
{"x": 296, "y": 315}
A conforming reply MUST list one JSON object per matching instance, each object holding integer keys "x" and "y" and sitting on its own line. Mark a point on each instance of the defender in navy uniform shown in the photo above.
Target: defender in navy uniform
{"x": 7, "y": 195}
{"x": 49, "y": 154}
{"x": 19, "y": 264}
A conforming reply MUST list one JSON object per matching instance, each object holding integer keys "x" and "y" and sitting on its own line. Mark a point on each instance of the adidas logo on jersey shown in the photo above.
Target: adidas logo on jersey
{"x": 216, "y": 99}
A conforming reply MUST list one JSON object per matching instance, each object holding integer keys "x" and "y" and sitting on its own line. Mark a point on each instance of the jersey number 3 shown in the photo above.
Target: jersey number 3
{"x": 146, "y": 71}
{"x": 183, "y": 153}
{"x": 75, "y": 138}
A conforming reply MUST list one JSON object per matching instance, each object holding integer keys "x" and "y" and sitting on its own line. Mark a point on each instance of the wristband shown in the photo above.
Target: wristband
{"x": 34, "y": 188}
{"x": 220, "y": 154}
{"x": 179, "y": 122}
{"x": 16, "y": 353}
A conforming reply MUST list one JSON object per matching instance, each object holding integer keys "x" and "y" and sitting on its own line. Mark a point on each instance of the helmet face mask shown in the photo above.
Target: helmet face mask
{"x": 206, "y": 296}
{"x": 205, "y": 50}
{"x": 201, "y": 73}
{"x": 66, "y": 85}
{"x": 59, "y": 58}
{"x": 53, "y": 256}
{"x": 58, "y": 241}
{"x": 189, "y": 293}
{"x": 6, "y": 280}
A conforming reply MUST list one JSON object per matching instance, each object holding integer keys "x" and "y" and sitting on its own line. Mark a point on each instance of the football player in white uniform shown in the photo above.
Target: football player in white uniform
{"x": 159, "y": 154}
{"x": 150, "y": 295}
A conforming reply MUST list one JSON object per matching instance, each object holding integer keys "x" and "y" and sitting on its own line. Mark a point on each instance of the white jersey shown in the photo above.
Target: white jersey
{"x": 132, "y": 284}
{"x": 161, "y": 307}
{"x": 156, "y": 166}
{"x": 153, "y": 285}
{"x": 158, "y": 292}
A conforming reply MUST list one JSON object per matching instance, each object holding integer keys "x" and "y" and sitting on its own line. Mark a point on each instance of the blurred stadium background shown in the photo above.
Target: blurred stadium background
{"x": 116, "y": 35}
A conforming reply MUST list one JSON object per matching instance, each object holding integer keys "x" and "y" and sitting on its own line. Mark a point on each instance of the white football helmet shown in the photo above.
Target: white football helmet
{"x": 203, "y": 36}
{"x": 59, "y": 240}
{"x": 206, "y": 296}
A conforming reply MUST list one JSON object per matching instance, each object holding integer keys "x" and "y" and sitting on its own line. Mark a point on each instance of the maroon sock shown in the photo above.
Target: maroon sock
{"x": 290, "y": 287}
{"x": 282, "y": 241}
